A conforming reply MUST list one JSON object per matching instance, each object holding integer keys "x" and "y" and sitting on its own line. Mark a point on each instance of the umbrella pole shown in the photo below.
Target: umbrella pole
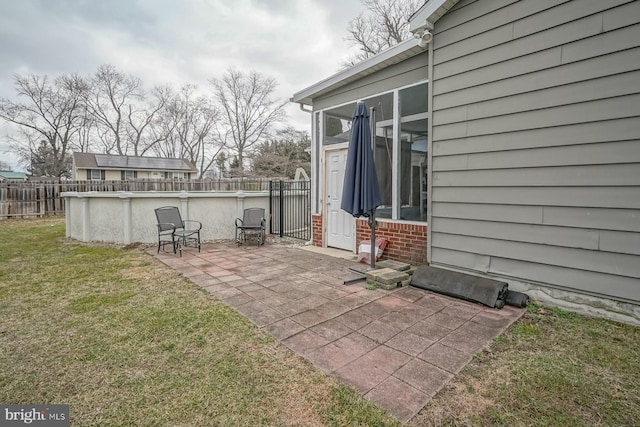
{"x": 372, "y": 224}
{"x": 372, "y": 217}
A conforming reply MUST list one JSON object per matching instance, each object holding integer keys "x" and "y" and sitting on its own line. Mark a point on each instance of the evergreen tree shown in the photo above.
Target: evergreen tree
{"x": 282, "y": 155}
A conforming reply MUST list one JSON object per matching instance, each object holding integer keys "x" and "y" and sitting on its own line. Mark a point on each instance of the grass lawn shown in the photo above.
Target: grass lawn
{"x": 551, "y": 368}
{"x": 127, "y": 341}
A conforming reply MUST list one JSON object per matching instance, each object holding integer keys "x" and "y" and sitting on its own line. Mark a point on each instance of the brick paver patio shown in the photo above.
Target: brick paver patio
{"x": 397, "y": 348}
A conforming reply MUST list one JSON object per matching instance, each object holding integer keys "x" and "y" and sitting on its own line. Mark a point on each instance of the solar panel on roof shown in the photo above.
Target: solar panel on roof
{"x": 155, "y": 163}
{"x": 107, "y": 161}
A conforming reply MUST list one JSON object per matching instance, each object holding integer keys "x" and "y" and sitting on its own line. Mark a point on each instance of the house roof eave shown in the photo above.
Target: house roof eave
{"x": 429, "y": 13}
{"x": 423, "y": 19}
{"x": 393, "y": 55}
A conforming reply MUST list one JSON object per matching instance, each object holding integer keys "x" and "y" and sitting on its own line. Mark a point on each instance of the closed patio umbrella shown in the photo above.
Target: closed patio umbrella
{"x": 361, "y": 191}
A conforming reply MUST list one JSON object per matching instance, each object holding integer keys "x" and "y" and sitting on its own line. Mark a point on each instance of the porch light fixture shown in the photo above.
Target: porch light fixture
{"x": 423, "y": 34}
{"x": 424, "y": 37}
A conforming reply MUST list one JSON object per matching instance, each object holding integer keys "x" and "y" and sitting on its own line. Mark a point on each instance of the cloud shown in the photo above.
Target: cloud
{"x": 297, "y": 42}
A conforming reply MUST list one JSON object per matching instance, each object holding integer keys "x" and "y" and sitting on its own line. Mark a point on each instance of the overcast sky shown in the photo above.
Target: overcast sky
{"x": 298, "y": 42}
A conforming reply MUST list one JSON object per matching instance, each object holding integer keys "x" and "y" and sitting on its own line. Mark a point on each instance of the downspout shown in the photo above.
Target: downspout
{"x": 310, "y": 242}
{"x": 424, "y": 35}
{"x": 429, "y": 148}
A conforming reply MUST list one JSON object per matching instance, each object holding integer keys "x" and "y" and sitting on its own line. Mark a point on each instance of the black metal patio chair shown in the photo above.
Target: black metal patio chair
{"x": 173, "y": 230}
{"x": 252, "y": 224}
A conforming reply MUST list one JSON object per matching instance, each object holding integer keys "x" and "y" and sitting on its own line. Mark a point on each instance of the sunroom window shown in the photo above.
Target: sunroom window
{"x": 401, "y": 149}
{"x": 384, "y": 153}
{"x": 413, "y": 157}
{"x": 337, "y": 124}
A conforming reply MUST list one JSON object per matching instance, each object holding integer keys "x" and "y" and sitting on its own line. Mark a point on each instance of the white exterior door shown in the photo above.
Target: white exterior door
{"x": 340, "y": 225}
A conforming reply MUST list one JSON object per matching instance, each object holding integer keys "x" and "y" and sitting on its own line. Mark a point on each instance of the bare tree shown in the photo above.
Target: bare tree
{"x": 49, "y": 119}
{"x": 187, "y": 123}
{"x": 164, "y": 130}
{"x": 248, "y": 110}
{"x": 110, "y": 101}
{"x": 84, "y": 140}
{"x": 124, "y": 112}
{"x": 140, "y": 135}
{"x": 383, "y": 24}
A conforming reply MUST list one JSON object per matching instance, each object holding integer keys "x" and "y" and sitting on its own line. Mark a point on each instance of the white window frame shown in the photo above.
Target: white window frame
{"x": 177, "y": 175}
{"x": 396, "y": 130}
{"x": 93, "y": 174}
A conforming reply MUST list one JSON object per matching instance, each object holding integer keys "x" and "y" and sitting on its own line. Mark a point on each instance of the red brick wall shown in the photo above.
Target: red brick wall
{"x": 406, "y": 242}
{"x": 316, "y": 230}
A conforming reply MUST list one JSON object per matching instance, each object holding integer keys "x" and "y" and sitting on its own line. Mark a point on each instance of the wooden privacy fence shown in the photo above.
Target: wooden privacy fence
{"x": 39, "y": 198}
{"x": 18, "y": 201}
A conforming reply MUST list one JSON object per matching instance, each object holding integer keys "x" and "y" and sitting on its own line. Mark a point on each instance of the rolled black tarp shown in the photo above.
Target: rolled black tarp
{"x": 489, "y": 292}
{"x": 516, "y": 299}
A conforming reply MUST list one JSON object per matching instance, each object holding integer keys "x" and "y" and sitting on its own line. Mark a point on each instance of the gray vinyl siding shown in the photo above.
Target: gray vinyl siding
{"x": 535, "y": 143}
{"x": 405, "y": 73}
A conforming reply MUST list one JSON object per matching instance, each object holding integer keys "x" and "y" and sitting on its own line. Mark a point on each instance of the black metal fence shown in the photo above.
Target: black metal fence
{"x": 290, "y": 209}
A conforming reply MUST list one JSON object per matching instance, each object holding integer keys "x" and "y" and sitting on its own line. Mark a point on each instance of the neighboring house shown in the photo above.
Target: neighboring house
{"x": 12, "y": 176}
{"x": 507, "y": 145}
{"x": 91, "y": 166}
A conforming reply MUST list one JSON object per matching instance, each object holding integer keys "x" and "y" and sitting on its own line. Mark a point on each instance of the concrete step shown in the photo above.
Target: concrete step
{"x": 394, "y": 265}
{"x": 387, "y": 278}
